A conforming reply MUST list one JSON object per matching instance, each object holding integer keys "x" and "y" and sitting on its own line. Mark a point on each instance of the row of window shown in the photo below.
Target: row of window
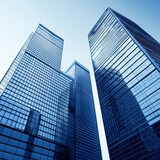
{"x": 18, "y": 145}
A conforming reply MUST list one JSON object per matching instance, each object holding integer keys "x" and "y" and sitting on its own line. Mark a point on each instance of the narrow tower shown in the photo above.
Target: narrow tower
{"x": 86, "y": 131}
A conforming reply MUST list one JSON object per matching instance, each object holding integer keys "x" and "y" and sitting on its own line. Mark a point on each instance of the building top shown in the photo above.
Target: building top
{"x": 48, "y": 31}
{"x": 129, "y": 23}
{"x": 142, "y": 38}
{"x": 149, "y": 44}
{"x": 98, "y": 23}
{"x": 123, "y": 19}
{"x": 76, "y": 63}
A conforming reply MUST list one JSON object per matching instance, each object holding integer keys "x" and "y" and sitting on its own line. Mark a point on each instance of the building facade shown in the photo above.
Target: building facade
{"x": 38, "y": 103}
{"x": 126, "y": 62}
{"x": 86, "y": 131}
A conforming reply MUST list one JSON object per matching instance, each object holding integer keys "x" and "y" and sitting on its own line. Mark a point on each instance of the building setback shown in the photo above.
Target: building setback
{"x": 39, "y": 105}
{"x": 126, "y": 62}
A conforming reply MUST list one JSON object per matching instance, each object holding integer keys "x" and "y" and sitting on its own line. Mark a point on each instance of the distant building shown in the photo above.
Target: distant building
{"x": 42, "y": 112}
{"x": 126, "y": 62}
{"x": 87, "y": 141}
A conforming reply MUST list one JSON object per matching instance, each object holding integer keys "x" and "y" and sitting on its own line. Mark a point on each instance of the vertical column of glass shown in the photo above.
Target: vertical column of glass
{"x": 86, "y": 134}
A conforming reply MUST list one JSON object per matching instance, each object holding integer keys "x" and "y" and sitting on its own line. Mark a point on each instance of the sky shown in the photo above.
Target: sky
{"x": 71, "y": 20}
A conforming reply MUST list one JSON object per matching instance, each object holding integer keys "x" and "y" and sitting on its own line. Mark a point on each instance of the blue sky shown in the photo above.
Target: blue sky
{"x": 72, "y": 20}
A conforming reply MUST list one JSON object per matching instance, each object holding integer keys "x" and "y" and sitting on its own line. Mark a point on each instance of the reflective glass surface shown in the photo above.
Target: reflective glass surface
{"x": 16, "y": 144}
{"x": 87, "y": 138}
{"x": 36, "y": 99}
{"x": 128, "y": 83}
{"x": 44, "y": 113}
{"x": 150, "y": 45}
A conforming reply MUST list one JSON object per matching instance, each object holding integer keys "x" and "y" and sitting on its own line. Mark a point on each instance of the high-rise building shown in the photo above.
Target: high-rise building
{"x": 41, "y": 107}
{"x": 126, "y": 62}
{"x": 86, "y": 132}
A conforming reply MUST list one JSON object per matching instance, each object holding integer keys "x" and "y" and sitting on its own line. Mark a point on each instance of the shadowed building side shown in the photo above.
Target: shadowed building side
{"x": 86, "y": 130}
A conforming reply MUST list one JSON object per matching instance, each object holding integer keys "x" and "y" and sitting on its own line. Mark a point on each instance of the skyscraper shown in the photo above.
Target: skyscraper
{"x": 39, "y": 105}
{"x": 126, "y": 62}
{"x": 86, "y": 131}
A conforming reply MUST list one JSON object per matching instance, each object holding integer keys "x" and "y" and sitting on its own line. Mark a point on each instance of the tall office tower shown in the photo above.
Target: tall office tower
{"x": 86, "y": 133}
{"x": 38, "y": 104}
{"x": 126, "y": 62}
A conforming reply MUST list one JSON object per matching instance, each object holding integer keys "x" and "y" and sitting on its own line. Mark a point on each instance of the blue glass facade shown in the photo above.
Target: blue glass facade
{"x": 126, "y": 65}
{"x": 37, "y": 103}
{"x": 86, "y": 132}
{"x": 35, "y": 97}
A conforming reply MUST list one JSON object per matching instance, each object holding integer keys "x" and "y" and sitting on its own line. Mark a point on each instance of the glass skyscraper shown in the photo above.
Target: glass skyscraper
{"x": 126, "y": 62}
{"x": 41, "y": 107}
{"x": 87, "y": 143}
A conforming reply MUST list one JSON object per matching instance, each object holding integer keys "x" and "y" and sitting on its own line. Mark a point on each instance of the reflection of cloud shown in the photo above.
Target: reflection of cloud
{"x": 122, "y": 114}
